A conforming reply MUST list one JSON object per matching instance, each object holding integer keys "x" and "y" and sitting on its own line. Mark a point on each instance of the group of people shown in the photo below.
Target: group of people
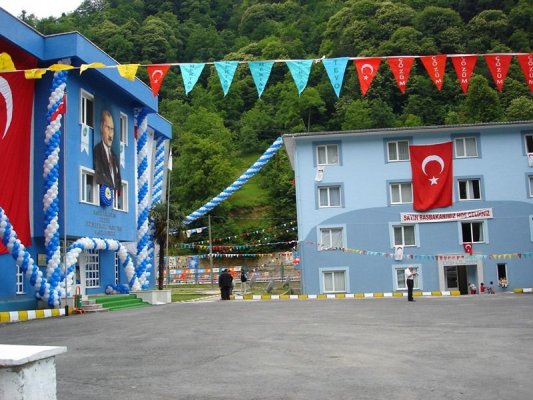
{"x": 226, "y": 284}
{"x": 482, "y": 288}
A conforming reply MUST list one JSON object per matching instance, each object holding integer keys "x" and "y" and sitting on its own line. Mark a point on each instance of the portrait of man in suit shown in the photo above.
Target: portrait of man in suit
{"x": 106, "y": 164}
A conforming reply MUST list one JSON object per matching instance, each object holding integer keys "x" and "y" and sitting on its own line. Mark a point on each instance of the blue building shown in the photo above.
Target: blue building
{"x": 70, "y": 193}
{"x": 358, "y": 230}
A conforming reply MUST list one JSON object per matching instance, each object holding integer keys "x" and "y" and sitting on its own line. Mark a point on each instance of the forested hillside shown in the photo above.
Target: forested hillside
{"x": 217, "y": 137}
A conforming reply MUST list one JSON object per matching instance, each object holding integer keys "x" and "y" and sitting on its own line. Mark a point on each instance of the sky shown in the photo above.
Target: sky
{"x": 41, "y": 8}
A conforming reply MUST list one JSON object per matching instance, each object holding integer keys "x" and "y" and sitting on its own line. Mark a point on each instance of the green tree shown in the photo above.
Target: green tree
{"x": 520, "y": 109}
{"x": 482, "y": 103}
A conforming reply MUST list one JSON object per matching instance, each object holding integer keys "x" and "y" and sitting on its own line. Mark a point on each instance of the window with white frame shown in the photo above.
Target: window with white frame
{"x": 398, "y": 150}
{"x": 120, "y": 200}
{"x": 401, "y": 193}
{"x": 92, "y": 268}
{"x": 465, "y": 147}
{"x": 329, "y": 196}
{"x": 88, "y": 187}
{"x": 399, "y": 275}
{"x": 334, "y": 281}
{"x": 331, "y": 238}
{"x": 528, "y": 142}
{"x": 327, "y": 154}
{"x": 530, "y": 180}
{"x": 472, "y": 232}
{"x": 87, "y": 108}
{"x": 404, "y": 235}
{"x": 123, "y": 128}
{"x": 20, "y": 280}
{"x": 469, "y": 189}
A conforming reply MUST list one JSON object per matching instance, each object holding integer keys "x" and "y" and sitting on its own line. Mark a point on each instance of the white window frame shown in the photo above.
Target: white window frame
{"x": 123, "y": 121}
{"x": 484, "y": 236}
{"x": 124, "y": 195}
{"x": 469, "y": 189}
{"x": 329, "y": 189}
{"x": 20, "y": 281}
{"x": 530, "y": 185}
{"x": 333, "y": 272}
{"x": 92, "y": 269}
{"x": 399, "y": 185}
{"x": 400, "y": 268}
{"x": 84, "y": 172}
{"x": 402, "y": 227}
{"x": 526, "y": 136}
{"x": 86, "y": 97}
{"x": 396, "y": 157}
{"x": 461, "y": 147}
{"x": 327, "y": 161}
{"x": 323, "y": 229}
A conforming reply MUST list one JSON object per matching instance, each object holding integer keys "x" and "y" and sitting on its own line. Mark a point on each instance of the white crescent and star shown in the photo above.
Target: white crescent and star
{"x": 157, "y": 75}
{"x": 5, "y": 91}
{"x": 370, "y": 67}
{"x": 427, "y": 160}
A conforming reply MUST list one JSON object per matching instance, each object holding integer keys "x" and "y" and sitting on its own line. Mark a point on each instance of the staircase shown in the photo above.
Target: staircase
{"x": 119, "y": 302}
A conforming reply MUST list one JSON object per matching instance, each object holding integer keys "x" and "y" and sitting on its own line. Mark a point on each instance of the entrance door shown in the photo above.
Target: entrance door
{"x": 456, "y": 278}
{"x": 462, "y": 278}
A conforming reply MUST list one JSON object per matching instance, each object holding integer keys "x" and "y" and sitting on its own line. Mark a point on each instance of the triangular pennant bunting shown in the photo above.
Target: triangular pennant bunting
{"x": 84, "y": 67}
{"x": 464, "y": 66}
{"x": 226, "y": 72}
{"x": 498, "y": 66}
{"x": 401, "y": 68}
{"x": 300, "y": 71}
{"x": 435, "y": 66}
{"x": 36, "y": 73}
{"x": 128, "y": 71}
{"x": 335, "y": 68}
{"x": 6, "y": 63}
{"x": 526, "y": 63}
{"x": 191, "y": 73}
{"x": 367, "y": 68}
{"x": 156, "y": 73}
{"x": 260, "y": 72}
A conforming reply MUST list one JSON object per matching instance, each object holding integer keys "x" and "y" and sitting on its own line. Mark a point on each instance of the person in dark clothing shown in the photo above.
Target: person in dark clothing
{"x": 225, "y": 283}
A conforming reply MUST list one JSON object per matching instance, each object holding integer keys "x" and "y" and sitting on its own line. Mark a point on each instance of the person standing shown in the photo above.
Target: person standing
{"x": 106, "y": 166}
{"x": 225, "y": 283}
{"x": 410, "y": 274}
{"x": 244, "y": 279}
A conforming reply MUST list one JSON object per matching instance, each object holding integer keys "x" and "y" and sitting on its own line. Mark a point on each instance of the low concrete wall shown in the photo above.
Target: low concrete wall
{"x": 155, "y": 296}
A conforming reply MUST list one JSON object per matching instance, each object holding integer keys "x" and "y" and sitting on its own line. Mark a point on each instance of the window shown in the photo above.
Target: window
{"x": 401, "y": 193}
{"x": 404, "y": 235}
{"x": 87, "y": 109}
{"x": 120, "y": 201}
{"x": 398, "y": 150}
{"x": 331, "y": 238}
{"x": 465, "y": 147}
{"x": 502, "y": 275}
{"x": 334, "y": 281}
{"x": 20, "y": 280}
{"x": 329, "y": 196}
{"x": 123, "y": 128}
{"x": 88, "y": 187}
{"x": 327, "y": 154}
{"x": 472, "y": 232}
{"x": 92, "y": 269}
{"x": 469, "y": 189}
{"x": 530, "y": 180}
{"x": 399, "y": 275}
{"x": 528, "y": 143}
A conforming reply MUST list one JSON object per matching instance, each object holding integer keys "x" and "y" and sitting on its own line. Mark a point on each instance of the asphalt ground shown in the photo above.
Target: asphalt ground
{"x": 464, "y": 347}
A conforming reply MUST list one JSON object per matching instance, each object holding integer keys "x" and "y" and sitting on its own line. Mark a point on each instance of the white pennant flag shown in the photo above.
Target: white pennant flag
{"x": 84, "y": 138}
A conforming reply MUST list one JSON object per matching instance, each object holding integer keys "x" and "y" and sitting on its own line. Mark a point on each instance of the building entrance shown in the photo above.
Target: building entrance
{"x": 458, "y": 277}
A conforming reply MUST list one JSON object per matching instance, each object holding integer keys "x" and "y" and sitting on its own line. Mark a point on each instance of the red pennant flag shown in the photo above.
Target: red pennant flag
{"x": 464, "y": 66}
{"x": 468, "y": 248}
{"x": 367, "y": 68}
{"x": 526, "y": 63}
{"x": 401, "y": 68}
{"x": 435, "y": 66}
{"x": 432, "y": 173}
{"x": 16, "y": 103}
{"x": 157, "y": 73}
{"x": 498, "y": 66}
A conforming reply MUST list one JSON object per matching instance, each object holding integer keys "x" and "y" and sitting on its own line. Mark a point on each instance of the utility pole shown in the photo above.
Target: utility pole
{"x": 210, "y": 251}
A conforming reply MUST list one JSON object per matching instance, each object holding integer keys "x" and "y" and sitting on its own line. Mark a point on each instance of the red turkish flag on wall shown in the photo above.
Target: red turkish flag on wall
{"x": 526, "y": 63}
{"x": 367, "y": 68}
{"x": 468, "y": 248}
{"x": 435, "y": 66}
{"x": 401, "y": 68}
{"x": 431, "y": 167}
{"x": 157, "y": 74}
{"x": 464, "y": 66}
{"x": 498, "y": 66}
{"x": 16, "y": 102}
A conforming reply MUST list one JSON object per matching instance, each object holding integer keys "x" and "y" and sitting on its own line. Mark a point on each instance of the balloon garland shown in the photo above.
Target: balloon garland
{"x": 159, "y": 169}
{"x": 254, "y": 169}
{"x": 56, "y": 103}
{"x": 143, "y": 236}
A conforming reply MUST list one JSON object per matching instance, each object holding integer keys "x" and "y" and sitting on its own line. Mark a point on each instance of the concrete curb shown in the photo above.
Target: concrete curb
{"x": 26, "y": 315}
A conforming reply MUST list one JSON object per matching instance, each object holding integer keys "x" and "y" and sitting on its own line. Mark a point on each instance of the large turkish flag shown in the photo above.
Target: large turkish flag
{"x": 431, "y": 167}
{"x": 16, "y": 101}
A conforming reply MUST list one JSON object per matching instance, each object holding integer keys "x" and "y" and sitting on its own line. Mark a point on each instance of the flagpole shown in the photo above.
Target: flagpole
{"x": 169, "y": 169}
{"x": 65, "y": 204}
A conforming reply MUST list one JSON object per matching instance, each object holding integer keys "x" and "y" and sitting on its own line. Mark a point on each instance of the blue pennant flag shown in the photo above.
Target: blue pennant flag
{"x": 300, "y": 71}
{"x": 260, "y": 72}
{"x": 226, "y": 71}
{"x": 190, "y": 74}
{"x": 335, "y": 68}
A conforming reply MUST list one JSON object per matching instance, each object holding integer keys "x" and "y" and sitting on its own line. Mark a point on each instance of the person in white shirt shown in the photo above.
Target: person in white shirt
{"x": 410, "y": 274}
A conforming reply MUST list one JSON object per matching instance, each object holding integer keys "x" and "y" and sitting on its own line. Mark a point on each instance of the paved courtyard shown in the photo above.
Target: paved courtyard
{"x": 467, "y": 347}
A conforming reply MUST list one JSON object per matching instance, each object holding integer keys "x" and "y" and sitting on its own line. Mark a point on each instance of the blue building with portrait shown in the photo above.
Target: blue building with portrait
{"x": 358, "y": 230}
{"x": 61, "y": 199}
